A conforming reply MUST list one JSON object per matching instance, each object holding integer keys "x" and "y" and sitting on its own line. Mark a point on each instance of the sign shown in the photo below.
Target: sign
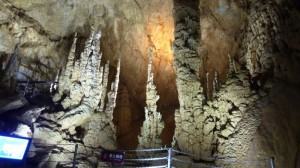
{"x": 13, "y": 147}
{"x": 112, "y": 156}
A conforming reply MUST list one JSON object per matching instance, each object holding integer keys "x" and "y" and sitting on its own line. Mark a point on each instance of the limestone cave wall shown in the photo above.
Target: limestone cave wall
{"x": 213, "y": 78}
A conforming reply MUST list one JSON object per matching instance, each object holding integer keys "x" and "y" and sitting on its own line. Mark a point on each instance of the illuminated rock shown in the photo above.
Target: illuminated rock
{"x": 152, "y": 127}
{"x": 226, "y": 57}
{"x": 86, "y": 82}
{"x": 23, "y": 131}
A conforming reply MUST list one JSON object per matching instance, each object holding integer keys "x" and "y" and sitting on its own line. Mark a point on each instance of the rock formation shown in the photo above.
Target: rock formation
{"x": 152, "y": 127}
{"x": 190, "y": 93}
{"x": 222, "y": 81}
{"x": 263, "y": 28}
{"x": 82, "y": 91}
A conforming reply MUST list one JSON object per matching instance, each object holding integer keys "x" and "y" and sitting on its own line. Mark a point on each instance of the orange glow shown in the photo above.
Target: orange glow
{"x": 161, "y": 36}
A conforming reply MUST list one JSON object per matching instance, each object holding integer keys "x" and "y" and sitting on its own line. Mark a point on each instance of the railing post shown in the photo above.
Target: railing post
{"x": 272, "y": 162}
{"x": 169, "y": 157}
{"x": 75, "y": 155}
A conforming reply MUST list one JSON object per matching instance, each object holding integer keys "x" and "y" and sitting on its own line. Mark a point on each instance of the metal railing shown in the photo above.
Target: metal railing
{"x": 74, "y": 155}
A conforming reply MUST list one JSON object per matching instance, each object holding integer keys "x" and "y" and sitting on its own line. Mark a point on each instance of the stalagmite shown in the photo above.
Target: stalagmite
{"x": 85, "y": 84}
{"x": 215, "y": 83}
{"x": 232, "y": 66}
{"x": 64, "y": 80}
{"x": 85, "y": 89}
{"x": 189, "y": 135}
{"x": 207, "y": 86}
{"x": 204, "y": 127}
{"x": 152, "y": 127}
{"x": 104, "y": 90}
{"x": 112, "y": 97}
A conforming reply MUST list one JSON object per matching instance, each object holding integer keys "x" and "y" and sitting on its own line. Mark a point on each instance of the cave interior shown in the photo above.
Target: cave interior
{"x": 212, "y": 78}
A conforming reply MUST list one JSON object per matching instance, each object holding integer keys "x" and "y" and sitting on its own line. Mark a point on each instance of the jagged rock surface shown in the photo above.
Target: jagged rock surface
{"x": 226, "y": 56}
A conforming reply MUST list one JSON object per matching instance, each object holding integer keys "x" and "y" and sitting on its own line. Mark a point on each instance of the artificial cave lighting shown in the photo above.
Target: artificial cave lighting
{"x": 160, "y": 83}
